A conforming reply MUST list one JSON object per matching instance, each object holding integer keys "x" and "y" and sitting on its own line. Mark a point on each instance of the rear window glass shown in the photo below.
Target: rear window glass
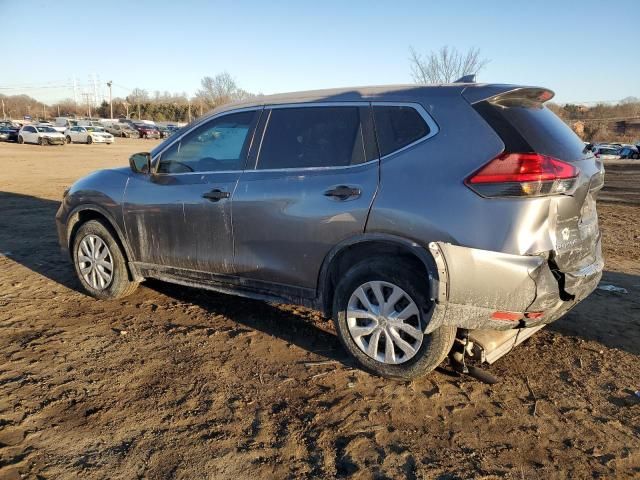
{"x": 397, "y": 127}
{"x": 313, "y": 137}
{"x": 544, "y": 131}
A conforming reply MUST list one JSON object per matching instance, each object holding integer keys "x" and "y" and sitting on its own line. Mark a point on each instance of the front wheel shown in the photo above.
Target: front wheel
{"x": 20, "y": 139}
{"x": 43, "y": 141}
{"x": 381, "y": 309}
{"x": 68, "y": 139}
{"x": 99, "y": 262}
{"x": 89, "y": 140}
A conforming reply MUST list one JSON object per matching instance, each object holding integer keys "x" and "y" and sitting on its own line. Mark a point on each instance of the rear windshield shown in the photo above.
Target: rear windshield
{"x": 538, "y": 128}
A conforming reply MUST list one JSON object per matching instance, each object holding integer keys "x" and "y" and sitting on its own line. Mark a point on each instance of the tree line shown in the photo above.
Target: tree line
{"x": 596, "y": 123}
{"x": 139, "y": 104}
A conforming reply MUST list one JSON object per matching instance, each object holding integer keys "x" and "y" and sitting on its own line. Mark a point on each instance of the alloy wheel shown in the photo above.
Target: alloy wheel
{"x": 95, "y": 262}
{"x": 384, "y": 322}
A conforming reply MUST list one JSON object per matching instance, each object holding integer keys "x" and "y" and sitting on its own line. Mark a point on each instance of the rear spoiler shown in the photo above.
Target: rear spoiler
{"x": 506, "y": 95}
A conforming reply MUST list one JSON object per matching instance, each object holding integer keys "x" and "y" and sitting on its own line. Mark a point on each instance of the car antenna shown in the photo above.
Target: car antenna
{"x": 471, "y": 78}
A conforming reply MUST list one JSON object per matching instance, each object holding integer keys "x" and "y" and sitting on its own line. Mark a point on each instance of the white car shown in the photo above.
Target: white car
{"x": 606, "y": 152}
{"x": 41, "y": 134}
{"x": 88, "y": 135}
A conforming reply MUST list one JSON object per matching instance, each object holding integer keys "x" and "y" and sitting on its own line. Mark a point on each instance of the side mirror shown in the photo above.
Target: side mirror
{"x": 140, "y": 162}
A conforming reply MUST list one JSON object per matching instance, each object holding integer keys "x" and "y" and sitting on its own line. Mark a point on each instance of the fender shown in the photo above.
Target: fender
{"x": 418, "y": 250}
{"x": 70, "y": 223}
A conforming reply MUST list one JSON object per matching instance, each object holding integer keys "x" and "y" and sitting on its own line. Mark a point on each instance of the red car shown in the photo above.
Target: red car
{"x": 147, "y": 131}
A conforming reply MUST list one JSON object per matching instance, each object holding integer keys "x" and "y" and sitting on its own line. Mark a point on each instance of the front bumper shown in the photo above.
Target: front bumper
{"x": 102, "y": 140}
{"x": 477, "y": 289}
{"x": 56, "y": 140}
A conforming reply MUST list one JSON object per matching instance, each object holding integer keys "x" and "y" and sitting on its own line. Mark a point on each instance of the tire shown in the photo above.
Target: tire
{"x": 20, "y": 139}
{"x": 68, "y": 139}
{"x": 89, "y": 140}
{"x": 401, "y": 275}
{"x": 118, "y": 285}
{"x": 43, "y": 141}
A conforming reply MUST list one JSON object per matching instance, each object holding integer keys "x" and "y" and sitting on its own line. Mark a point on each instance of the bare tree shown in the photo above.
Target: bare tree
{"x": 219, "y": 90}
{"x": 445, "y": 65}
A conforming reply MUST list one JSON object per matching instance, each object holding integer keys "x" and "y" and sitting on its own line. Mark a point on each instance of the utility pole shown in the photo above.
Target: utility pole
{"x": 189, "y": 103}
{"x": 3, "y": 115}
{"x": 109, "y": 83}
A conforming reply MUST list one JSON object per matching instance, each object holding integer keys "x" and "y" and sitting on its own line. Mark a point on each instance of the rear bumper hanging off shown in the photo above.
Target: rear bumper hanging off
{"x": 485, "y": 290}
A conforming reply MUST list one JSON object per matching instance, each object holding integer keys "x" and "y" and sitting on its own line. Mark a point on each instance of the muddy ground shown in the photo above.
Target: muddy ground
{"x": 178, "y": 383}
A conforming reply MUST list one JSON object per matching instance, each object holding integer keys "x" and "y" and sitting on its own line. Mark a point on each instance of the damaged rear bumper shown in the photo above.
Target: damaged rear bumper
{"x": 480, "y": 289}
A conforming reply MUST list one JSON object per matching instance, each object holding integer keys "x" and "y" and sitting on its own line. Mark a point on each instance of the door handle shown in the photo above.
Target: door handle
{"x": 343, "y": 192}
{"x": 215, "y": 195}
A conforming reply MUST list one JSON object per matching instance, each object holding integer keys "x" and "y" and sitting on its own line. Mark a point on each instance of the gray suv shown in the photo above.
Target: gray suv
{"x": 411, "y": 215}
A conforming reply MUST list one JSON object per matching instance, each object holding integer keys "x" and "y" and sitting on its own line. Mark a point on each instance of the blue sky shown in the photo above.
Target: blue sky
{"x": 585, "y": 51}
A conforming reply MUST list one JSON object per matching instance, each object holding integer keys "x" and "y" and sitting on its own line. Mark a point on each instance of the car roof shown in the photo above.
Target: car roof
{"x": 397, "y": 93}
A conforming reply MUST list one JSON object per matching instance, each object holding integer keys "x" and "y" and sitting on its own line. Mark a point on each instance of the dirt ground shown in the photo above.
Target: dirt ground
{"x": 178, "y": 383}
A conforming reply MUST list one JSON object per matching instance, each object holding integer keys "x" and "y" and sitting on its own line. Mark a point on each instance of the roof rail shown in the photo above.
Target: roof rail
{"x": 471, "y": 78}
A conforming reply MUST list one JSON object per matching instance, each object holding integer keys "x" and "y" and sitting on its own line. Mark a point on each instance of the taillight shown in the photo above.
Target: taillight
{"x": 523, "y": 175}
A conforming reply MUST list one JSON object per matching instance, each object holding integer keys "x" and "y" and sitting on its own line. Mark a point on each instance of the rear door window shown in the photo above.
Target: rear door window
{"x": 312, "y": 137}
{"x": 397, "y": 127}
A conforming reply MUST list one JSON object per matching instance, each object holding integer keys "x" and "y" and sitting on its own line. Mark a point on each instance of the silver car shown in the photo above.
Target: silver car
{"x": 414, "y": 216}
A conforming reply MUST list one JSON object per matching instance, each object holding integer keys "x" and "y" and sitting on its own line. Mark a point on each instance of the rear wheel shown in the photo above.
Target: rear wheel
{"x": 100, "y": 263}
{"x": 89, "y": 140}
{"x": 20, "y": 139}
{"x": 381, "y": 309}
{"x": 68, "y": 139}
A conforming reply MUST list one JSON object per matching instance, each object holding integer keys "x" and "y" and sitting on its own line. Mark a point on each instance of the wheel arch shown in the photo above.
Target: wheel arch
{"x": 85, "y": 213}
{"x": 358, "y": 248}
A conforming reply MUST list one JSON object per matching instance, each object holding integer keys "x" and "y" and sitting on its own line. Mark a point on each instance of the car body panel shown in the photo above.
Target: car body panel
{"x": 284, "y": 224}
{"x": 168, "y": 222}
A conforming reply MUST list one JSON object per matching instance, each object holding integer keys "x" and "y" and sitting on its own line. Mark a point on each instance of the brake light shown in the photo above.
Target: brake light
{"x": 523, "y": 175}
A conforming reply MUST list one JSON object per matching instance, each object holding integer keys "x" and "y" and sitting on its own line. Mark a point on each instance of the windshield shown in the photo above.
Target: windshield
{"x": 46, "y": 129}
{"x": 95, "y": 129}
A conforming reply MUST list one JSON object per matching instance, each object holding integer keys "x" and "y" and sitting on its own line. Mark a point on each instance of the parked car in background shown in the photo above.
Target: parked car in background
{"x": 43, "y": 135}
{"x": 88, "y": 122}
{"x": 482, "y": 227}
{"x": 9, "y": 131}
{"x": 629, "y": 152}
{"x": 164, "y": 131}
{"x": 606, "y": 152}
{"x": 80, "y": 134}
{"x": 62, "y": 123}
{"x": 122, "y": 130}
{"x": 146, "y": 130}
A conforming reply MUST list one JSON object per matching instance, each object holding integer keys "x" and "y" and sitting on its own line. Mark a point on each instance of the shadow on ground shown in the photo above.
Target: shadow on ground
{"x": 28, "y": 236}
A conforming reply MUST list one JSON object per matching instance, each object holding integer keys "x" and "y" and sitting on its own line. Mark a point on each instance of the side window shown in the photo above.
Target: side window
{"x": 397, "y": 127}
{"x": 316, "y": 137}
{"x": 30, "y": 129}
{"x": 219, "y": 144}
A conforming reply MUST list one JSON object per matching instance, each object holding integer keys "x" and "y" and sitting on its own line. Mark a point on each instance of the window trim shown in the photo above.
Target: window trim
{"x": 268, "y": 108}
{"x": 155, "y": 161}
{"x": 431, "y": 123}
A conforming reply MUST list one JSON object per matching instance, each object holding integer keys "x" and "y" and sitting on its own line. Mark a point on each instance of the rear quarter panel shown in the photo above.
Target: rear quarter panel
{"x": 422, "y": 195}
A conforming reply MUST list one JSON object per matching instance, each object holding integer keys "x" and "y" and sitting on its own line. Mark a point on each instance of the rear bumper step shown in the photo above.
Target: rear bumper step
{"x": 490, "y": 345}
